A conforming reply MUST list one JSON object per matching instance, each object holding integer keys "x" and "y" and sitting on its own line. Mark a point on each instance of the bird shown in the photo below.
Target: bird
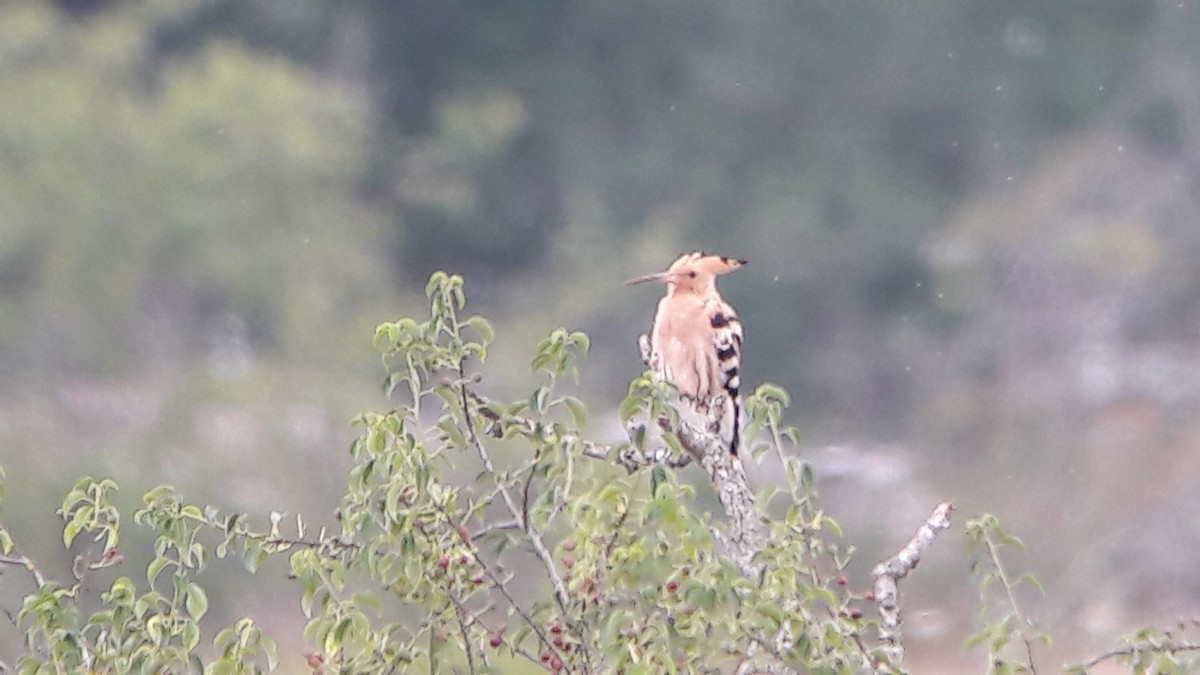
{"x": 695, "y": 342}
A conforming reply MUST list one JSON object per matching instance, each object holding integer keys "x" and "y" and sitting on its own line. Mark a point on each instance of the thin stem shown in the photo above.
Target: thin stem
{"x": 499, "y": 585}
{"x": 507, "y": 525}
{"x": 24, "y": 561}
{"x": 535, "y": 538}
{"x": 1008, "y": 588}
{"x": 1012, "y": 598}
{"x": 459, "y": 612}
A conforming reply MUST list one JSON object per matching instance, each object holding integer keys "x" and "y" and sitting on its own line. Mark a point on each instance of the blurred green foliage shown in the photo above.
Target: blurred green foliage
{"x": 266, "y": 167}
{"x": 150, "y": 201}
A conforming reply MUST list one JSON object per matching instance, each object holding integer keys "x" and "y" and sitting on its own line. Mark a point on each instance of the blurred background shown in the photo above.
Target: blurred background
{"x": 972, "y": 231}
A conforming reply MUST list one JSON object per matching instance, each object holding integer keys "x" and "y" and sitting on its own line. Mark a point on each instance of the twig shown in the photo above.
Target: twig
{"x": 488, "y": 529}
{"x": 1130, "y": 650}
{"x": 475, "y": 617}
{"x": 624, "y": 455}
{"x": 539, "y": 546}
{"x": 460, "y": 616}
{"x": 24, "y": 561}
{"x": 497, "y": 582}
{"x": 888, "y": 574}
{"x": 535, "y": 537}
{"x": 1012, "y": 599}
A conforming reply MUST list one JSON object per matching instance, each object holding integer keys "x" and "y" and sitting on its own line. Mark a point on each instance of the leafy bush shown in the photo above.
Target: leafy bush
{"x": 479, "y": 533}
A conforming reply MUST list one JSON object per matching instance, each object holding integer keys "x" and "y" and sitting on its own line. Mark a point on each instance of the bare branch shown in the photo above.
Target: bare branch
{"x": 488, "y": 529}
{"x": 747, "y": 532}
{"x": 24, "y": 561}
{"x": 460, "y": 616}
{"x": 535, "y": 538}
{"x": 888, "y": 574}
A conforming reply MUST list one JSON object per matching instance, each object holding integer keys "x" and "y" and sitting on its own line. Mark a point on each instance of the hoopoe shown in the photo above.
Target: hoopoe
{"x": 696, "y": 340}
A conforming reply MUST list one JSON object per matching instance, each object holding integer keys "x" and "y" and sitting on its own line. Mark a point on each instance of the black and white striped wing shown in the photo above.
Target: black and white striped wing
{"x": 727, "y": 332}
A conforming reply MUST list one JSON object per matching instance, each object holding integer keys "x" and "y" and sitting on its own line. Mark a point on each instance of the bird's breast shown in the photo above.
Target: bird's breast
{"x": 683, "y": 340}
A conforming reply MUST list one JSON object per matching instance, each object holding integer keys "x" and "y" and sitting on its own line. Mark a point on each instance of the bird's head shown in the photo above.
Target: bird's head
{"x": 693, "y": 273}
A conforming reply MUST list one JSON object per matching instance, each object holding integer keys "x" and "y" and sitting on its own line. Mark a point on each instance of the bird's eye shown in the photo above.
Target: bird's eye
{"x": 692, "y": 274}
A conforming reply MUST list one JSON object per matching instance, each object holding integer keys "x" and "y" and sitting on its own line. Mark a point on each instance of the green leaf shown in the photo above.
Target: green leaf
{"x": 155, "y": 568}
{"x": 436, "y": 279}
{"x": 190, "y": 635}
{"x": 482, "y": 327}
{"x": 658, "y": 476}
{"x": 197, "y": 602}
{"x": 376, "y": 441}
{"x": 823, "y": 594}
{"x": 222, "y": 667}
{"x": 792, "y": 434}
{"x": 773, "y": 392}
{"x": 70, "y": 531}
{"x": 368, "y": 600}
{"x": 254, "y": 557}
{"x": 975, "y": 639}
{"x": 1165, "y": 664}
{"x": 806, "y": 476}
{"x": 674, "y": 444}
{"x": 629, "y": 407}
{"x": 460, "y": 298}
{"x": 1032, "y": 581}
{"x": 1010, "y": 540}
{"x": 578, "y": 411}
{"x": 832, "y": 525}
{"x": 339, "y": 634}
{"x": 538, "y": 400}
{"x": 581, "y": 341}
{"x": 271, "y": 650}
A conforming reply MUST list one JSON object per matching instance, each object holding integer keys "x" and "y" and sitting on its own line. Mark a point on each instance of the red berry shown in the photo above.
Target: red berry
{"x": 546, "y": 657}
{"x": 556, "y": 629}
{"x": 495, "y": 641}
{"x": 558, "y": 641}
{"x": 856, "y": 614}
{"x": 841, "y": 580}
{"x": 672, "y": 586}
{"x": 443, "y": 562}
{"x": 868, "y": 596}
{"x": 568, "y": 545}
{"x": 568, "y": 561}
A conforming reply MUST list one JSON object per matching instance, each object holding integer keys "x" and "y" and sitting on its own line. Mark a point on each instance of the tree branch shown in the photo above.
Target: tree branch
{"x": 704, "y": 443}
{"x": 888, "y": 574}
{"x": 24, "y": 561}
{"x": 747, "y": 532}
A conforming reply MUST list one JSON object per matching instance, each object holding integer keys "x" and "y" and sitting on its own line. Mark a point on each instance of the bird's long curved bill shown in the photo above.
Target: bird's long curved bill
{"x": 658, "y": 276}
